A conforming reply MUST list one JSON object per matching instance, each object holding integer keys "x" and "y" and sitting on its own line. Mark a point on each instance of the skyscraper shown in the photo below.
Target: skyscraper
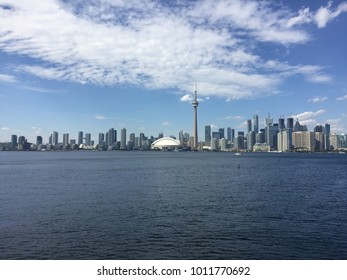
{"x": 249, "y": 126}
{"x": 281, "y": 125}
{"x": 207, "y": 135}
{"x": 39, "y": 140}
{"x": 123, "y": 139}
{"x": 229, "y": 134}
{"x": 14, "y": 142}
{"x": 88, "y": 139}
{"x": 195, "y": 123}
{"x": 80, "y": 138}
{"x": 65, "y": 139}
{"x": 55, "y": 138}
{"x": 327, "y": 136}
{"x": 256, "y": 124}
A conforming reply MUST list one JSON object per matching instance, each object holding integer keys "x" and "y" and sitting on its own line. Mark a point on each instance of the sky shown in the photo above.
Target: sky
{"x": 92, "y": 65}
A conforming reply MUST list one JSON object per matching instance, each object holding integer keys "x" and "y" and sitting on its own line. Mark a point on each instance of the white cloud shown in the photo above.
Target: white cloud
{"x": 187, "y": 98}
{"x": 233, "y": 118}
{"x": 326, "y": 14}
{"x": 317, "y": 99}
{"x": 342, "y": 98}
{"x": 306, "y": 116}
{"x": 157, "y": 46}
{"x": 99, "y": 117}
{"x": 5, "y": 128}
{"x": 7, "y": 78}
{"x": 165, "y": 123}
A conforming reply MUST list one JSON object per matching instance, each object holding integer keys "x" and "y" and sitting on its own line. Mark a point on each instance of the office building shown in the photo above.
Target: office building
{"x": 39, "y": 140}
{"x": 256, "y": 124}
{"x": 249, "y": 126}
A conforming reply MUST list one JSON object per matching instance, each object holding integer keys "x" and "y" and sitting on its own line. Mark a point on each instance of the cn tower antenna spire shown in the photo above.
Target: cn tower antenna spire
{"x": 195, "y": 123}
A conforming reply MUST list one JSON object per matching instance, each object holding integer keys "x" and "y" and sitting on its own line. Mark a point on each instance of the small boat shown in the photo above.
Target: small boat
{"x": 237, "y": 154}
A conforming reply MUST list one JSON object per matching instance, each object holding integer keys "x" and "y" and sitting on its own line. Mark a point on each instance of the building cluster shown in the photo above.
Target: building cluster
{"x": 284, "y": 136}
{"x": 106, "y": 141}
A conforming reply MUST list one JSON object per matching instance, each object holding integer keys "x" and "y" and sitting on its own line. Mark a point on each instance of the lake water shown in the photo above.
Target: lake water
{"x": 167, "y": 205}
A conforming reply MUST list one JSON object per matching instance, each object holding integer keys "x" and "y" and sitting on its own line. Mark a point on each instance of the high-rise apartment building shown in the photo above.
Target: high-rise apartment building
{"x": 14, "y": 141}
{"x": 207, "y": 135}
{"x": 88, "y": 139}
{"x": 327, "y": 137}
{"x": 123, "y": 139}
{"x": 80, "y": 138}
{"x": 39, "y": 140}
{"x": 229, "y": 134}
{"x": 304, "y": 140}
{"x": 55, "y": 138}
{"x": 65, "y": 139}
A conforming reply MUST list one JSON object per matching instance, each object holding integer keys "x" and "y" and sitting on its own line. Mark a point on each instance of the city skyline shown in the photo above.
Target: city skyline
{"x": 138, "y": 67}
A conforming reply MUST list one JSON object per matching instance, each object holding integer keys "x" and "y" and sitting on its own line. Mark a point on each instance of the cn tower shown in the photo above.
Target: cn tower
{"x": 195, "y": 124}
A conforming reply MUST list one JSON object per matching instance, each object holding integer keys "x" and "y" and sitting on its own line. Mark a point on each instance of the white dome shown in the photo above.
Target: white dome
{"x": 165, "y": 143}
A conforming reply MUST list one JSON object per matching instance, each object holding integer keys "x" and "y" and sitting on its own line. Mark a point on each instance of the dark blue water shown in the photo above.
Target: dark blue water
{"x": 157, "y": 205}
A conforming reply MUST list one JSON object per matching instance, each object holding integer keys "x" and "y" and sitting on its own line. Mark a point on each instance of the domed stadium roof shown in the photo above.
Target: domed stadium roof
{"x": 165, "y": 143}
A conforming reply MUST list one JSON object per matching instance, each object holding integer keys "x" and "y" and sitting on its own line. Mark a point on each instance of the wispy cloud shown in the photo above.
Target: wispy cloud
{"x": 317, "y": 99}
{"x": 5, "y": 128}
{"x": 342, "y": 98}
{"x": 159, "y": 46}
{"x": 307, "y": 116}
{"x": 7, "y": 78}
{"x": 100, "y": 117}
{"x": 165, "y": 123}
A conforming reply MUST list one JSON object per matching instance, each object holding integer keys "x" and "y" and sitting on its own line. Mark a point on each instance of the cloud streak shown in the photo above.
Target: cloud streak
{"x": 159, "y": 46}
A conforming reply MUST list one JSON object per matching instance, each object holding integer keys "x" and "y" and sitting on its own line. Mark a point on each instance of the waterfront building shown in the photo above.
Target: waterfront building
{"x": 261, "y": 147}
{"x": 284, "y": 141}
{"x": 214, "y": 144}
{"x": 250, "y": 140}
{"x": 88, "y": 139}
{"x": 111, "y": 137}
{"x": 319, "y": 141}
{"x": 229, "y": 138}
{"x": 165, "y": 143}
{"x": 123, "y": 139}
{"x": 39, "y": 140}
{"x": 223, "y": 144}
{"x": 65, "y": 139}
{"x": 80, "y": 138}
{"x": 207, "y": 135}
{"x": 101, "y": 139}
{"x": 304, "y": 141}
{"x": 14, "y": 141}
{"x": 55, "y": 138}
{"x": 327, "y": 137}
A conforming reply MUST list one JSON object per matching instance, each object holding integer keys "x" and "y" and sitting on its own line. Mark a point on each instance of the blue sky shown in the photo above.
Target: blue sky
{"x": 90, "y": 65}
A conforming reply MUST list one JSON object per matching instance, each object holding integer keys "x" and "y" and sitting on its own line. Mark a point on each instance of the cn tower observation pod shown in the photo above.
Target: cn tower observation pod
{"x": 165, "y": 143}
